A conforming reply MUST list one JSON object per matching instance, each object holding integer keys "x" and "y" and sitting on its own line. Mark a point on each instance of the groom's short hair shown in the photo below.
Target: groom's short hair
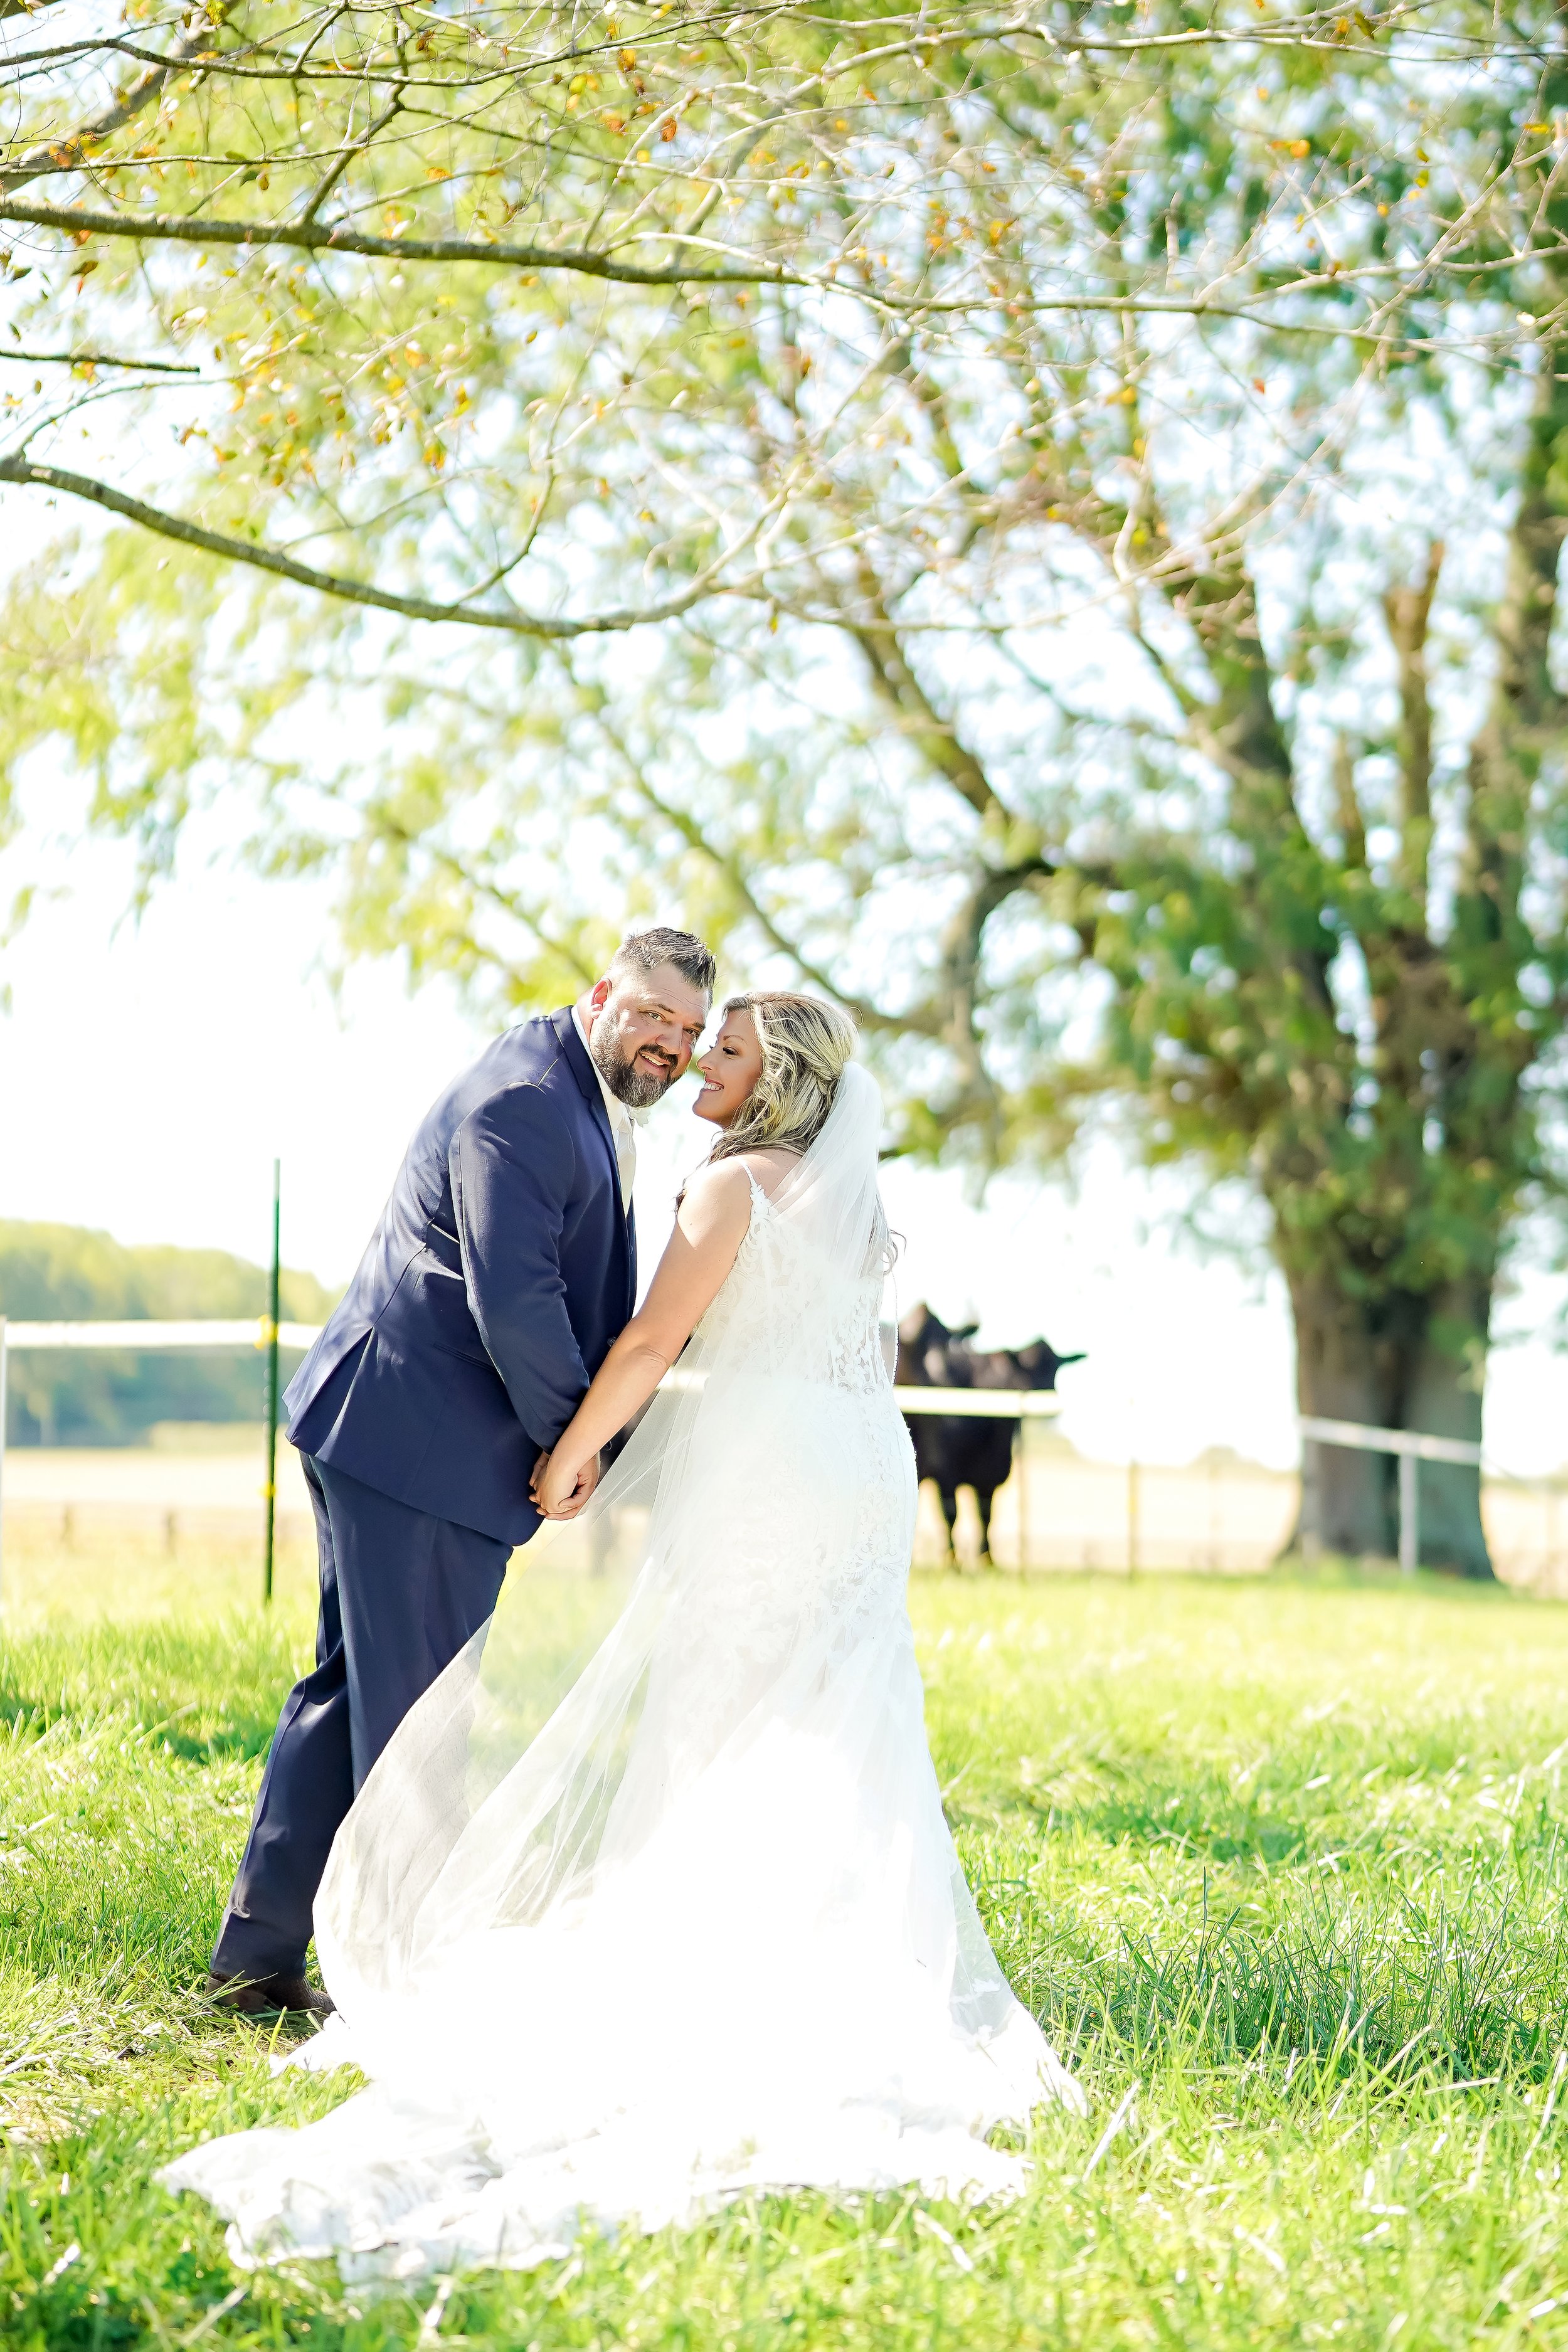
{"x": 646, "y": 950}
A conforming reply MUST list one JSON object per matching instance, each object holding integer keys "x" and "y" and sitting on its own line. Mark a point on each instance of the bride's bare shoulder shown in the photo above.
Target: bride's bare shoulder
{"x": 719, "y": 1193}
{"x": 731, "y": 1180}
{"x": 770, "y": 1165}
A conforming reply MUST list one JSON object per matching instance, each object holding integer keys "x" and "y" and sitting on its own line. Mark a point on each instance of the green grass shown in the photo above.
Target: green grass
{"x": 1281, "y": 1866}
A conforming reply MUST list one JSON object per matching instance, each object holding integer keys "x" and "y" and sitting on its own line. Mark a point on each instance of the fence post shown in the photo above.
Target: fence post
{"x": 1409, "y": 1513}
{"x": 1133, "y": 1517}
{"x": 274, "y": 1309}
{"x": 3, "y": 1366}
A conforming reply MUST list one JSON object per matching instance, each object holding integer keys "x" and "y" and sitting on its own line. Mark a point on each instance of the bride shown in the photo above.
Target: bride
{"x": 701, "y": 1928}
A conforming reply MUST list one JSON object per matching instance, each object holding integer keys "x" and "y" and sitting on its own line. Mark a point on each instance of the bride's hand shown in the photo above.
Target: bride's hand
{"x": 564, "y": 1485}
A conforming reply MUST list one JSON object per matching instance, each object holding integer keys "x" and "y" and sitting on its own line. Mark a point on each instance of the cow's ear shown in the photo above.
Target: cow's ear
{"x": 963, "y": 1331}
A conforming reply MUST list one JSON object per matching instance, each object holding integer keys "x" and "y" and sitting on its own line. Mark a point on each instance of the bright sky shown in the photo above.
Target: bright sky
{"x": 149, "y": 1073}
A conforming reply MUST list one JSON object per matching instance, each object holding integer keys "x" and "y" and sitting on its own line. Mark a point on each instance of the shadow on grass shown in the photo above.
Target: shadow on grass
{"x": 239, "y": 1735}
{"x": 1210, "y": 1821}
{"x": 1338, "y": 1572}
{"x": 207, "y": 1694}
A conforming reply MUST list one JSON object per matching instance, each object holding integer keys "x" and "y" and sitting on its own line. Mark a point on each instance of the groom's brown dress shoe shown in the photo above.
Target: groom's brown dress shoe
{"x": 269, "y": 1997}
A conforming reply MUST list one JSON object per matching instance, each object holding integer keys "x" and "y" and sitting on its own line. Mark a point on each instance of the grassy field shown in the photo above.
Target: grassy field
{"x": 1281, "y": 1866}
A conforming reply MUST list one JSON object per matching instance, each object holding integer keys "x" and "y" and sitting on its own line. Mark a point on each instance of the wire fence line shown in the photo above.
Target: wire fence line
{"x": 268, "y": 1335}
{"x": 1034, "y": 1407}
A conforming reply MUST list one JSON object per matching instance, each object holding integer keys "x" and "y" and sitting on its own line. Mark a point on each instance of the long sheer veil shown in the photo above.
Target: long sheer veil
{"x": 626, "y": 1937}
{"x": 504, "y": 1800}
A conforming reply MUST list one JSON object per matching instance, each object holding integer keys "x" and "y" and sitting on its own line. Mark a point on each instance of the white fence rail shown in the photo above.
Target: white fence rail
{"x": 981, "y": 1404}
{"x": 1412, "y": 1446}
{"x": 253, "y": 1332}
{"x": 997, "y": 1405}
{"x": 1409, "y": 1446}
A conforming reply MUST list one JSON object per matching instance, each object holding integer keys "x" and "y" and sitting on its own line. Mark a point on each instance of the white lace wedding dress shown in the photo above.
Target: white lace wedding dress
{"x": 703, "y": 1929}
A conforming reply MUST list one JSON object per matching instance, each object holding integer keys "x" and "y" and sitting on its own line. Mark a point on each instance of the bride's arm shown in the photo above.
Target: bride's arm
{"x": 710, "y": 1227}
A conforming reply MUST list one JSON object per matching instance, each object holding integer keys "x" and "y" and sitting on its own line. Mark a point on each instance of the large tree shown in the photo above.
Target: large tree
{"x": 952, "y": 502}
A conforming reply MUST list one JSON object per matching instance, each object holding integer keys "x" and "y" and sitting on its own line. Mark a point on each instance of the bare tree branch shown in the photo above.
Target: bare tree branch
{"x": 1407, "y": 609}
{"x": 68, "y": 154}
{"x": 510, "y": 902}
{"x": 962, "y": 942}
{"x": 869, "y": 1015}
{"x": 934, "y": 737}
{"x": 330, "y": 178}
{"x": 309, "y": 237}
{"x": 98, "y": 359}
{"x": 1352, "y": 824}
{"x": 23, "y": 471}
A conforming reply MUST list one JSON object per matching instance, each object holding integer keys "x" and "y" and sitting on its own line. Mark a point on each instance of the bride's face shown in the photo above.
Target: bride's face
{"x": 731, "y": 1069}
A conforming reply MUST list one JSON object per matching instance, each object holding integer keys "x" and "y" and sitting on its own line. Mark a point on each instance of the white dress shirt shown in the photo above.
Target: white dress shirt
{"x": 621, "y": 1125}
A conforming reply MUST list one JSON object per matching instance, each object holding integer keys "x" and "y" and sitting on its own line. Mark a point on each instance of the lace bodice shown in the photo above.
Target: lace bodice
{"x": 781, "y": 1311}
{"x": 807, "y": 1466}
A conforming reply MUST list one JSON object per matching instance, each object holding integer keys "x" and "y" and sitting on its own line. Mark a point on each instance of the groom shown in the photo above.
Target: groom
{"x": 503, "y": 1266}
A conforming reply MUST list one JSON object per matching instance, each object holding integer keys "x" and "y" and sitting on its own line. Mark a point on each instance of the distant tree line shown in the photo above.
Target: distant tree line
{"x": 69, "y": 1274}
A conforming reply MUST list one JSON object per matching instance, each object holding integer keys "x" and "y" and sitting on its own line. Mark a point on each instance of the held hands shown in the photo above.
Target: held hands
{"x": 561, "y": 1486}
{"x": 712, "y": 1221}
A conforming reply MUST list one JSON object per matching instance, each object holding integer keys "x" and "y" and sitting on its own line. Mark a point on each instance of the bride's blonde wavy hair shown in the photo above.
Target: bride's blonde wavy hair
{"x": 805, "y": 1046}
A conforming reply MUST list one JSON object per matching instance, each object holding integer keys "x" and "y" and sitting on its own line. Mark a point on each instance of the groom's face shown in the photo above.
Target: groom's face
{"x": 645, "y": 1025}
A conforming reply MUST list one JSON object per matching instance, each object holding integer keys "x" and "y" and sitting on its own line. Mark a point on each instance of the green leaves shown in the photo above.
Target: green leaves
{"x": 948, "y": 511}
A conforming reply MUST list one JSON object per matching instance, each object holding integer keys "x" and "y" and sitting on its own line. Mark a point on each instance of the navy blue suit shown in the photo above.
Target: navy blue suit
{"x": 502, "y": 1269}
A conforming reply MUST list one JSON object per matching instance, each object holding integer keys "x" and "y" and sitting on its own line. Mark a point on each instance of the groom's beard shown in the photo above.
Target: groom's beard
{"x": 629, "y": 1080}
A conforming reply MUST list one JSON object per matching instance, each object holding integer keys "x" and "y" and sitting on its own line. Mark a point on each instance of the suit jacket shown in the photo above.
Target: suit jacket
{"x": 502, "y": 1269}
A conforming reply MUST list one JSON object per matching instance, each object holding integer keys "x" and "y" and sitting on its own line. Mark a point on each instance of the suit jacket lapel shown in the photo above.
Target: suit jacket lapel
{"x": 587, "y": 1078}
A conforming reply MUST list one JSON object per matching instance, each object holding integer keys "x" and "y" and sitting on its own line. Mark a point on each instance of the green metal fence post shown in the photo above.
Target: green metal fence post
{"x": 273, "y": 1311}
{"x": 4, "y": 1352}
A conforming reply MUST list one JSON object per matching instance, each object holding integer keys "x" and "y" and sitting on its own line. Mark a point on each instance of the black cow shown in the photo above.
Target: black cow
{"x": 964, "y": 1450}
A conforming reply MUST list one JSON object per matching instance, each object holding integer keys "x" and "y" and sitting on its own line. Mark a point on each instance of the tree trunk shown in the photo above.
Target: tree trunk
{"x": 1443, "y": 1396}
{"x": 1347, "y": 1498}
{"x": 1407, "y": 1361}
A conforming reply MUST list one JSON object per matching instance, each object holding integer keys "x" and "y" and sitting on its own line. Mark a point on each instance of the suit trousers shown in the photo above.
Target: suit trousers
{"x": 401, "y": 1594}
